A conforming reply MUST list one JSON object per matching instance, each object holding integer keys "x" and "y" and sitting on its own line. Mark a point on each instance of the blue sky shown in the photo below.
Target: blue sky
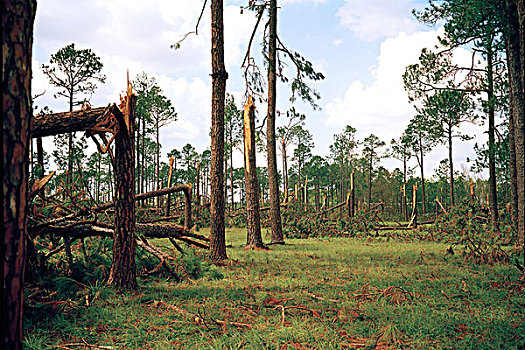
{"x": 361, "y": 46}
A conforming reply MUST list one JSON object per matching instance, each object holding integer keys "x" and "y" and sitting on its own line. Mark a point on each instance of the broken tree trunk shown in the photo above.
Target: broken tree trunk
{"x": 97, "y": 120}
{"x": 184, "y": 188}
{"x": 123, "y": 268}
{"x": 253, "y": 223}
{"x": 414, "y": 205}
{"x": 352, "y": 195}
{"x": 168, "y": 199}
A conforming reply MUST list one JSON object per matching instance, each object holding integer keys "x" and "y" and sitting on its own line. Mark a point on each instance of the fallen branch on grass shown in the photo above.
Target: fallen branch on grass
{"x": 198, "y": 319}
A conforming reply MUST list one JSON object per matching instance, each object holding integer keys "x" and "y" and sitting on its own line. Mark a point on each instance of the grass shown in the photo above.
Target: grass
{"x": 334, "y": 293}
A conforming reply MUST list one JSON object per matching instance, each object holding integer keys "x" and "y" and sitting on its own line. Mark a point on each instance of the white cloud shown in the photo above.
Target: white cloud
{"x": 337, "y": 42}
{"x": 382, "y": 108}
{"x": 372, "y": 20}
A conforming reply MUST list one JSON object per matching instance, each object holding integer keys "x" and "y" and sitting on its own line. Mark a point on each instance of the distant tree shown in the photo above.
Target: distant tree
{"x": 370, "y": 151}
{"x": 17, "y": 38}
{"x": 448, "y": 109}
{"x": 189, "y": 159}
{"x": 74, "y": 72}
{"x": 422, "y": 137}
{"x": 343, "y": 153}
{"x": 232, "y": 134}
{"x": 303, "y": 151}
{"x": 162, "y": 113}
{"x": 401, "y": 150}
{"x": 176, "y": 158}
{"x": 287, "y": 135}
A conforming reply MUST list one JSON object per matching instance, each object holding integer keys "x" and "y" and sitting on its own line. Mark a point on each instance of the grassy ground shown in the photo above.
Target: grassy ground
{"x": 311, "y": 294}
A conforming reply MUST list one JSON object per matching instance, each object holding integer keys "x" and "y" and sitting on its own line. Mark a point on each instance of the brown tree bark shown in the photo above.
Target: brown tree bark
{"x": 219, "y": 76}
{"x": 96, "y": 119}
{"x": 275, "y": 211}
{"x": 123, "y": 269}
{"x": 17, "y": 40}
{"x": 513, "y": 172}
{"x": 253, "y": 221}
{"x": 493, "y": 198}
{"x": 421, "y": 169}
{"x": 519, "y": 122}
{"x": 451, "y": 166}
{"x": 40, "y": 156}
{"x": 168, "y": 198}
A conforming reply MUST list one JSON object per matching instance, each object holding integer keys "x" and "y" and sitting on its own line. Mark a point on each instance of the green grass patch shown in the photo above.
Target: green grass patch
{"x": 316, "y": 293}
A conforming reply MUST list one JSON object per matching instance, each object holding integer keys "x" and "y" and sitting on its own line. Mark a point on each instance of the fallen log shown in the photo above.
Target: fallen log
{"x": 96, "y": 119}
{"x": 166, "y": 231}
{"x": 159, "y": 254}
{"x": 83, "y": 230}
{"x": 165, "y": 218}
{"x": 335, "y": 207}
{"x": 146, "y": 195}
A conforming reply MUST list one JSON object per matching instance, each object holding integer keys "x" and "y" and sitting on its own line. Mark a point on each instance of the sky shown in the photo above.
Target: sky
{"x": 361, "y": 46}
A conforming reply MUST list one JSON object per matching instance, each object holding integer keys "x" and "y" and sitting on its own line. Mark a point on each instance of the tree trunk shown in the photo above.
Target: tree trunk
{"x": 69, "y": 176}
{"x": 157, "y": 160}
{"x": 143, "y": 172}
{"x": 423, "y": 194}
{"x": 253, "y": 222}
{"x": 231, "y": 173}
{"x": 492, "y": 153}
{"x": 123, "y": 268}
{"x": 275, "y": 209}
{"x": 219, "y": 76}
{"x": 370, "y": 183}
{"x": 403, "y": 194}
{"x": 40, "y": 156}
{"x": 170, "y": 174}
{"x": 17, "y": 40}
{"x": 519, "y": 125}
{"x": 513, "y": 172}
{"x": 451, "y": 165}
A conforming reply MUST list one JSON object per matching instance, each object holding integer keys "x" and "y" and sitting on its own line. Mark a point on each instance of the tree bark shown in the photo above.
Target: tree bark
{"x": 219, "y": 76}
{"x": 513, "y": 171}
{"x": 370, "y": 182}
{"x": 17, "y": 40}
{"x": 519, "y": 125}
{"x": 275, "y": 211}
{"x": 423, "y": 194}
{"x": 253, "y": 221}
{"x": 493, "y": 199}
{"x": 40, "y": 156}
{"x": 95, "y": 119}
{"x": 168, "y": 198}
{"x": 451, "y": 166}
{"x": 123, "y": 268}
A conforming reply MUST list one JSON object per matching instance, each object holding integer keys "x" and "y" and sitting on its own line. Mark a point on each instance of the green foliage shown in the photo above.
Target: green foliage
{"x": 74, "y": 72}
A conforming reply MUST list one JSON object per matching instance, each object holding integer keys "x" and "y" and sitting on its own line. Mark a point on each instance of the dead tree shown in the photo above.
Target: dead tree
{"x": 123, "y": 268}
{"x": 253, "y": 221}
